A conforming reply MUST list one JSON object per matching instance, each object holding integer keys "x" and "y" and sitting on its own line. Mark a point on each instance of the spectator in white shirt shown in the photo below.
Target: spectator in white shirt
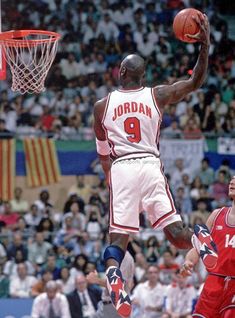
{"x": 148, "y": 297}
{"x": 107, "y": 27}
{"x": 180, "y": 297}
{"x": 38, "y": 250}
{"x": 50, "y": 304}
{"x": 66, "y": 281}
{"x": 69, "y": 66}
{"x": 33, "y": 217}
{"x": 20, "y": 286}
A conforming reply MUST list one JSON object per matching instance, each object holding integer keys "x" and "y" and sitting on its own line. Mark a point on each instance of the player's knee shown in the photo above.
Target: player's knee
{"x": 115, "y": 252}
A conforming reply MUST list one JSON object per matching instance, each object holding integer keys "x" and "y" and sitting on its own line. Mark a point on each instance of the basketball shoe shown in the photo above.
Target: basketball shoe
{"x": 205, "y": 245}
{"x": 119, "y": 297}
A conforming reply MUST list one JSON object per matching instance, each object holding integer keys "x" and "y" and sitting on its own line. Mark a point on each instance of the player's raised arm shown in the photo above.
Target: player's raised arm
{"x": 167, "y": 94}
{"x": 102, "y": 144}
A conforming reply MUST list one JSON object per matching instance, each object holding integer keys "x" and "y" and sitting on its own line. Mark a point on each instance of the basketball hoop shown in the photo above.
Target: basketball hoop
{"x": 29, "y": 53}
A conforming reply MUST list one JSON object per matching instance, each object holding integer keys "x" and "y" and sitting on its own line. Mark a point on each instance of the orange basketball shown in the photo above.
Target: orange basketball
{"x": 184, "y": 24}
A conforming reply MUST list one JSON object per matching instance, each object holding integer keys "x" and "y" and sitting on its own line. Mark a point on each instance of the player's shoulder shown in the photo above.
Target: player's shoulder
{"x": 212, "y": 218}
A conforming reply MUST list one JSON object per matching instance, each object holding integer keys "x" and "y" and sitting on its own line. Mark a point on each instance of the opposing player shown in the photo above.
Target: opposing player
{"x": 127, "y": 126}
{"x": 217, "y": 299}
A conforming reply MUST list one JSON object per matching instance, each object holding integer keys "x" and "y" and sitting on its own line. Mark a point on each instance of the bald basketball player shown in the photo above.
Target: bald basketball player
{"x": 127, "y": 127}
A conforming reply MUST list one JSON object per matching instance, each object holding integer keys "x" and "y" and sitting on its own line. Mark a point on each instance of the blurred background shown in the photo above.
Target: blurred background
{"x": 54, "y": 215}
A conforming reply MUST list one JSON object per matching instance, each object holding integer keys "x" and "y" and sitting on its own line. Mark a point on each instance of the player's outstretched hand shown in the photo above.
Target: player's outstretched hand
{"x": 186, "y": 269}
{"x": 203, "y": 35}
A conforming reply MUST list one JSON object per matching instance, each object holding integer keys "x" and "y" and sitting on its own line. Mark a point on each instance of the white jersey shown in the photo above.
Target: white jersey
{"x": 132, "y": 122}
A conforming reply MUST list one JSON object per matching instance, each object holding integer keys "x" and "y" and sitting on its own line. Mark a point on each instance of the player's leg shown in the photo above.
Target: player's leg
{"x": 124, "y": 218}
{"x": 162, "y": 214}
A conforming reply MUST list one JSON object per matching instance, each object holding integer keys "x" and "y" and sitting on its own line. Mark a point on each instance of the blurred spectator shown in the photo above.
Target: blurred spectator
{"x": 52, "y": 266}
{"x": 4, "y": 283}
{"x": 180, "y": 298}
{"x": 141, "y": 266}
{"x": 81, "y": 188}
{"x": 201, "y": 212}
{"x": 20, "y": 285}
{"x": 93, "y": 226}
{"x": 4, "y": 133}
{"x": 46, "y": 226}
{"x": 9, "y": 217}
{"x": 40, "y": 286}
{"x": 66, "y": 281}
{"x": 69, "y": 67}
{"x": 79, "y": 265}
{"x": 38, "y": 249}
{"x": 206, "y": 173}
{"x": 151, "y": 250}
{"x": 18, "y": 204}
{"x": 43, "y": 202}
{"x": 168, "y": 267}
{"x": 16, "y": 245}
{"x": 219, "y": 189}
{"x": 107, "y": 28}
{"x": 183, "y": 203}
{"x": 178, "y": 172}
{"x": 148, "y": 297}
{"x": 224, "y": 166}
{"x": 50, "y": 304}
{"x": 33, "y": 217}
{"x": 84, "y": 299}
{"x": 192, "y": 130}
{"x": 10, "y": 267}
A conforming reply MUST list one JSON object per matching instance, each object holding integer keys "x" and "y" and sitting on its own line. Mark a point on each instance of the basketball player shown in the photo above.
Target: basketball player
{"x": 217, "y": 299}
{"x": 127, "y": 127}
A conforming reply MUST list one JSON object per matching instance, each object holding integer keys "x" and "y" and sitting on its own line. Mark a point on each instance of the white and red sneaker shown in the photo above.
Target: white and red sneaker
{"x": 119, "y": 297}
{"x": 205, "y": 246}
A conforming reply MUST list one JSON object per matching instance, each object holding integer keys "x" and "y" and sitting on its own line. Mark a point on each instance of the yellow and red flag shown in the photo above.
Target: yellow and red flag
{"x": 7, "y": 169}
{"x": 42, "y": 167}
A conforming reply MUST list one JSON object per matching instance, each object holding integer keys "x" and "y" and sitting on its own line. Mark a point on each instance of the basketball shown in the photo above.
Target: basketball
{"x": 185, "y": 24}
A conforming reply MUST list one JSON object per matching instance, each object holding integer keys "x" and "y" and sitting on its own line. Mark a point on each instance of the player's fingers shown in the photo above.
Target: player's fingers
{"x": 193, "y": 36}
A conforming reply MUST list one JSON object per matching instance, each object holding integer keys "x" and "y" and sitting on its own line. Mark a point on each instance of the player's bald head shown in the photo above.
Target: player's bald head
{"x": 132, "y": 67}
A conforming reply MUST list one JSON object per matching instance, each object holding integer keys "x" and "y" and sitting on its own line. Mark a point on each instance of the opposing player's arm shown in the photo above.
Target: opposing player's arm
{"x": 192, "y": 257}
{"x": 102, "y": 144}
{"x": 168, "y": 94}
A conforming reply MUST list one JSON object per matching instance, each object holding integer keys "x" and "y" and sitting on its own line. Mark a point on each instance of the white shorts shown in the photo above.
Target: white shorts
{"x": 137, "y": 185}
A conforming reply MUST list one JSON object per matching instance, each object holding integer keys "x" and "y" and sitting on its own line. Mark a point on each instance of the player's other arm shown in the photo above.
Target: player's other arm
{"x": 167, "y": 94}
{"x": 192, "y": 257}
{"x": 102, "y": 144}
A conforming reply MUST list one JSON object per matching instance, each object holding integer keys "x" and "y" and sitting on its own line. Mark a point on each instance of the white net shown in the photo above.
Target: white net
{"x": 30, "y": 59}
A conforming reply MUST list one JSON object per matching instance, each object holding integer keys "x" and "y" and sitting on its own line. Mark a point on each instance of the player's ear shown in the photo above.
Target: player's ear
{"x": 123, "y": 71}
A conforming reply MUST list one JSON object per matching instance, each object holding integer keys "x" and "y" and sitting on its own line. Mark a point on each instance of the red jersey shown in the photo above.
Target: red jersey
{"x": 223, "y": 235}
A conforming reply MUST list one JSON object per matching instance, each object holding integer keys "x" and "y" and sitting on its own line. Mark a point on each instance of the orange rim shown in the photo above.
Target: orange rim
{"x": 16, "y": 37}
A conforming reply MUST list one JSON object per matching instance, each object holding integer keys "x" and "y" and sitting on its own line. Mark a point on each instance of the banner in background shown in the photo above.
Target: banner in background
{"x": 191, "y": 151}
{"x": 42, "y": 167}
{"x": 226, "y": 146}
{"x": 7, "y": 169}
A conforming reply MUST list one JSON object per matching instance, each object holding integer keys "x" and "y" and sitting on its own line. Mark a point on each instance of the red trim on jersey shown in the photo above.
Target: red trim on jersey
{"x": 162, "y": 218}
{"x": 106, "y": 108}
{"x": 155, "y": 104}
{"x": 123, "y": 90}
{"x": 105, "y": 129}
{"x": 111, "y": 214}
{"x": 215, "y": 219}
{"x": 226, "y": 218}
{"x": 227, "y": 307}
{"x": 173, "y": 211}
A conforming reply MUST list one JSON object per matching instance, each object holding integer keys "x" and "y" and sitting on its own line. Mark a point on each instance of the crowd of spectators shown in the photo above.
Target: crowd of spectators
{"x": 40, "y": 242}
{"x": 96, "y": 36}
